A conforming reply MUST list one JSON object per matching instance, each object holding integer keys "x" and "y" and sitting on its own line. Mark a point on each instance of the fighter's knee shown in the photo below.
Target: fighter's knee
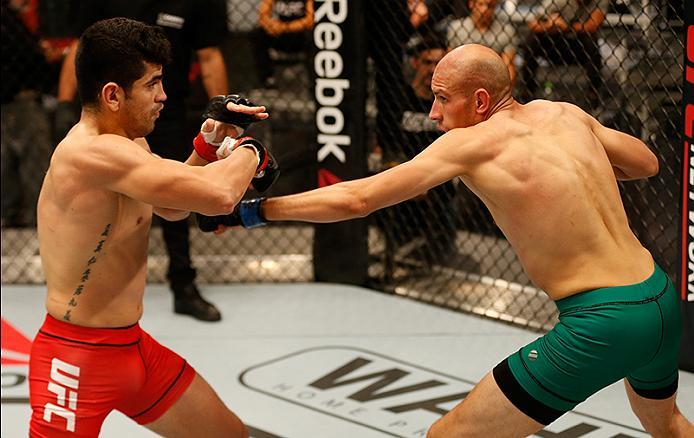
{"x": 435, "y": 430}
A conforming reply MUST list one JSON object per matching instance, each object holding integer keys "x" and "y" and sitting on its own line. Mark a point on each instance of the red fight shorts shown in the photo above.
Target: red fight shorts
{"x": 78, "y": 375}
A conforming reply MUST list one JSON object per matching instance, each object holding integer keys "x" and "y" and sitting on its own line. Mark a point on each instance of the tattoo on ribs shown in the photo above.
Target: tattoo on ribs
{"x": 85, "y": 274}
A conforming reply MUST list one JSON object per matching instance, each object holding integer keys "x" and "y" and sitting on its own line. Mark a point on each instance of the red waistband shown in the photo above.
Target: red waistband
{"x": 120, "y": 336}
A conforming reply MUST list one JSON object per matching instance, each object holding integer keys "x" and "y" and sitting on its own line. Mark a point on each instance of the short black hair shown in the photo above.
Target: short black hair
{"x": 115, "y": 50}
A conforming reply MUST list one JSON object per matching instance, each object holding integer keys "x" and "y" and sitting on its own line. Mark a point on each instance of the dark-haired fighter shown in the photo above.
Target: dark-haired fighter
{"x": 195, "y": 29}
{"x": 94, "y": 213}
{"x": 548, "y": 173}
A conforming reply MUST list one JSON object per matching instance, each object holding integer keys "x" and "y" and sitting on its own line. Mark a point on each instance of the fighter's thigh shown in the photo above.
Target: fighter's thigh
{"x": 199, "y": 412}
{"x": 485, "y": 412}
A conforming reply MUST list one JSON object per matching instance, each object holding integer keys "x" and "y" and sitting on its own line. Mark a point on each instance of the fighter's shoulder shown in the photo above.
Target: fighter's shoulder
{"x": 495, "y": 128}
{"x": 99, "y": 155}
{"x": 481, "y": 142}
{"x": 113, "y": 147}
{"x": 560, "y": 110}
{"x": 572, "y": 109}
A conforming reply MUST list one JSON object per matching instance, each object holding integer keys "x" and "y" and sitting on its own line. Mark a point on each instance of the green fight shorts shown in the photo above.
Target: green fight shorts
{"x": 603, "y": 335}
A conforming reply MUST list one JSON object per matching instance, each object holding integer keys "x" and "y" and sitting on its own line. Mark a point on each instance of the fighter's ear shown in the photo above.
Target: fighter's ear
{"x": 111, "y": 96}
{"x": 482, "y": 101}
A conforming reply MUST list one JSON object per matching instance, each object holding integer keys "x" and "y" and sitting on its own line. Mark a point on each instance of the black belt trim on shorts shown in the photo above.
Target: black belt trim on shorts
{"x": 609, "y": 303}
{"x": 520, "y": 398}
{"x": 180, "y": 373}
{"x": 94, "y": 344}
{"x": 520, "y": 356}
{"x": 659, "y": 393}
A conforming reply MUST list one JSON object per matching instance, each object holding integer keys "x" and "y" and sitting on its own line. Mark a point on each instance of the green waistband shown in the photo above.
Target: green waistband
{"x": 645, "y": 291}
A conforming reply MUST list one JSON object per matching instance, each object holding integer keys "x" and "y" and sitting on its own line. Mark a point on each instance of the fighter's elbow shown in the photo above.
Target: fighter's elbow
{"x": 652, "y": 166}
{"x": 231, "y": 200}
{"x": 360, "y": 208}
{"x": 222, "y": 202}
{"x": 355, "y": 204}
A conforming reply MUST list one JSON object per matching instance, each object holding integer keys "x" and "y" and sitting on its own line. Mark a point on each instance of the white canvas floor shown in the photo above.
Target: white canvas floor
{"x": 275, "y": 341}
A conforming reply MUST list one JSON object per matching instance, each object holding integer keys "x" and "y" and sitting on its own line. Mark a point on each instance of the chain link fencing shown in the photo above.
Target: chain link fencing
{"x": 442, "y": 247}
{"x": 620, "y": 61}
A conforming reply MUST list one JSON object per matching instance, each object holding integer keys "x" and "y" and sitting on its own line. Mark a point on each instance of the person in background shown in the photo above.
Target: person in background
{"x": 408, "y": 222}
{"x": 25, "y": 138}
{"x": 565, "y": 31}
{"x": 485, "y": 26}
{"x": 419, "y": 12}
{"x": 195, "y": 28}
{"x": 285, "y": 25}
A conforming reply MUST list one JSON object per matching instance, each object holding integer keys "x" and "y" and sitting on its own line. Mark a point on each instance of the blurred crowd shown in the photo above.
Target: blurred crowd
{"x": 407, "y": 38}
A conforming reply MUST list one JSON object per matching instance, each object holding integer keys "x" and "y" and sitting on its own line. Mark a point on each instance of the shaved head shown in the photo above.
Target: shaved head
{"x": 473, "y": 66}
{"x": 470, "y": 84}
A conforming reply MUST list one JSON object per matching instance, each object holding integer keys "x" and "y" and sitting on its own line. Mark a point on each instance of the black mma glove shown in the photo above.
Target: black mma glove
{"x": 267, "y": 171}
{"x": 217, "y": 109}
{"x": 246, "y": 214}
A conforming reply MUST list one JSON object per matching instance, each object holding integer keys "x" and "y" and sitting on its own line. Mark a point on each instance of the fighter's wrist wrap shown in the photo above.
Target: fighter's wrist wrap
{"x": 251, "y": 214}
{"x": 204, "y": 149}
{"x": 230, "y": 144}
{"x": 261, "y": 153}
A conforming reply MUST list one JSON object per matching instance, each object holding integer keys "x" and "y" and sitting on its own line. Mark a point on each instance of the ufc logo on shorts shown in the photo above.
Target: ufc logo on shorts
{"x": 63, "y": 384}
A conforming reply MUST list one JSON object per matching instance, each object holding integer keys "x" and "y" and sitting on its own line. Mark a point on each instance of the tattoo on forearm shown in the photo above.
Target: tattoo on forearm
{"x": 85, "y": 274}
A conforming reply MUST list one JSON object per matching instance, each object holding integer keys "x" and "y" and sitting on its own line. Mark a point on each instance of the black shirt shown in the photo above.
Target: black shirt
{"x": 23, "y": 66}
{"x": 418, "y": 130}
{"x": 189, "y": 25}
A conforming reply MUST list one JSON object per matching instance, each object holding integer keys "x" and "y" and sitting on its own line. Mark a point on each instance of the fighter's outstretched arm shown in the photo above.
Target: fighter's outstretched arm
{"x": 457, "y": 153}
{"x": 357, "y": 198}
{"x": 453, "y": 154}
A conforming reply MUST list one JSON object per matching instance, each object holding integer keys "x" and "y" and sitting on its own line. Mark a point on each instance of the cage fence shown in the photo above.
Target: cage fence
{"x": 619, "y": 60}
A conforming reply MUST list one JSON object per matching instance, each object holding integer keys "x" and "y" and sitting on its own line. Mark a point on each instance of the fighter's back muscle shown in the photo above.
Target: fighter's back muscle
{"x": 92, "y": 240}
{"x": 552, "y": 191}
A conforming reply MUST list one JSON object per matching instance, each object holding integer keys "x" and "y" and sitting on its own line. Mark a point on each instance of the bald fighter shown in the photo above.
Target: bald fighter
{"x": 94, "y": 213}
{"x": 548, "y": 173}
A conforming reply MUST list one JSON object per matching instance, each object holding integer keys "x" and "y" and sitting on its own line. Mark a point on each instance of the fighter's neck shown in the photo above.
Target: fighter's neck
{"x": 503, "y": 104}
{"x": 102, "y": 124}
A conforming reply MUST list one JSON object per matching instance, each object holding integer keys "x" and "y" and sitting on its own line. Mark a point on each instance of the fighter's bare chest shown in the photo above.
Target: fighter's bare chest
{"x": 134, "y": 218}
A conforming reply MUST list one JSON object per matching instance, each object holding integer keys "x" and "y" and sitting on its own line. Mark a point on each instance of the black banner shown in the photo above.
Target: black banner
{"x": 686, "y": 271}
{"x": 340, "y": 250}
